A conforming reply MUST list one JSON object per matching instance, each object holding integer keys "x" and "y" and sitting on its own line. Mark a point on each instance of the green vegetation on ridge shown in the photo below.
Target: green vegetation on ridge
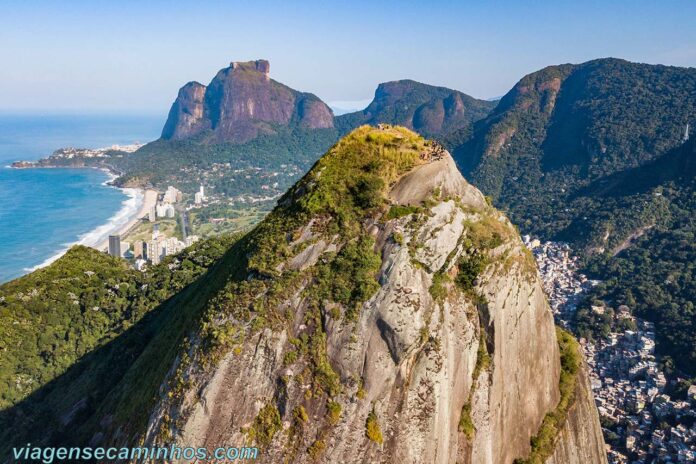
{"x": 344, "y": 189}
{"x": 82, "y": 355}
{"x": 544, "y": 442}
{"x": 592, "y": 154}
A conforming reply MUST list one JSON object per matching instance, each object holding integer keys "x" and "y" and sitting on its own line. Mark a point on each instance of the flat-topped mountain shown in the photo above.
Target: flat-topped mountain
{"x": 240, "y": 103}
{"x": 427, "y": 109}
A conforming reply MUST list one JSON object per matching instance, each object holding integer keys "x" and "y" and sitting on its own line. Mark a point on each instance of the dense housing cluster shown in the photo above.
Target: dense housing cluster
{"x": 641, "y": 418}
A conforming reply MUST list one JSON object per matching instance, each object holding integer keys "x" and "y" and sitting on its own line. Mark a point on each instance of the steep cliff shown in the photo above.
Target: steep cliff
{"x": 241, "y": 102}
{"x": 384, "y": 312}
{"x": 577, "y": 443}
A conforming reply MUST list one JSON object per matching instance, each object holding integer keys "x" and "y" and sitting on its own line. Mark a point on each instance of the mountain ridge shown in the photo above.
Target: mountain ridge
{"x": 427, "y": 109}
{"x": 594, "y": 154}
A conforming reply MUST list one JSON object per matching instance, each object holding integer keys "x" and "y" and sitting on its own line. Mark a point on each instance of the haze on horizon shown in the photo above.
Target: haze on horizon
{"x": 100, "y": 56}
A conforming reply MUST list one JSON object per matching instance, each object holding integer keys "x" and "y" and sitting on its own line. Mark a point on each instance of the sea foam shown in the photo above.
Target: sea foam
{"x": 129, "y": 209}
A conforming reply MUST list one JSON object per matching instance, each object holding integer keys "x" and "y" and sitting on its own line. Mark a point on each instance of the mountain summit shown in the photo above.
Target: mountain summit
{"x": 427, "y": 109}
{"x": 383, "y": 312}
{"x": 241, "y": 102}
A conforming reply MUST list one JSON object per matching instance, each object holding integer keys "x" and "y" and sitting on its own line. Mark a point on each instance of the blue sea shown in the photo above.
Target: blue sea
{"x": 44, "y": 211}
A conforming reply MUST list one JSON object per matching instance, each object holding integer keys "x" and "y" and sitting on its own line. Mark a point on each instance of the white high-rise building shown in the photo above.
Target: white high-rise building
{"x": 172, "y": 195}
{"x": 171, "y": 246}
{"x": 154, "y": 251}
{"x": 161, "y": 210}
{"x": 125, "y": 248}
{"x": 165, "y": 210}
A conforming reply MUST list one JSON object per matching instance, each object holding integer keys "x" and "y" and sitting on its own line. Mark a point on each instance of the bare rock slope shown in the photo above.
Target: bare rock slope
{"x": 384, "y": 312}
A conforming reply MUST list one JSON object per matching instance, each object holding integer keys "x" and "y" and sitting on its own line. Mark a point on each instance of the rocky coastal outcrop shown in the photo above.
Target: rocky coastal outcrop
{"x": 384, "y": 312}
{"x": 241, "y": 102}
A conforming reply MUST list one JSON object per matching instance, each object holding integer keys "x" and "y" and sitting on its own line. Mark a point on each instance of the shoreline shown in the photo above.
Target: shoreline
{"x": 147, "y": 199}
{"x": 135, "y": 206}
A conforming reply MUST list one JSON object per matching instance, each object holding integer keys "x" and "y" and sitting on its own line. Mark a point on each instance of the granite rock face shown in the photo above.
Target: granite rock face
{"x": 580, "y": 439}
{"x": 186, "y": 115}
{"x": 442, "y": 373}
{"x": 240, "y": 103}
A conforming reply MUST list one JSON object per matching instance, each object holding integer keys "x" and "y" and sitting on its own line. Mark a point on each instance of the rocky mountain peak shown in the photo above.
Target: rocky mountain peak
{"x": 383, "y": 312}
{"x": 262, "y": 66}
{"x": 241, "y": 103}
{"x": 427, "y": 109}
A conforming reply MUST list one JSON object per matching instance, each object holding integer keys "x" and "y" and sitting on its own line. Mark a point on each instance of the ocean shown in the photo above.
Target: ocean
{"x": 44, "y": 211}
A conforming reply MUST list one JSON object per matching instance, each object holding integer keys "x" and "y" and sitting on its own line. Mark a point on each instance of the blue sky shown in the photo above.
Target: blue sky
{"x": 132, "y": 56}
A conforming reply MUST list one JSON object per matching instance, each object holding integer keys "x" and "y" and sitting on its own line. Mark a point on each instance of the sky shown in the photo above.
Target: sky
{"x": 132, "y": 56}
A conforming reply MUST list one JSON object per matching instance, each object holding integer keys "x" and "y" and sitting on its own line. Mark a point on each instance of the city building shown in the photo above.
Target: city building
{"x": 125, "y": 249}
{"x": 139, "y": 249}
{"x": 199, "y": 196}
{"x": 172, "y": 195}
{"x": 165, "y": 210}
{"x": 154, "y": 251}
{"x": 626, "y": 379}
{"x": 115, "y": 245}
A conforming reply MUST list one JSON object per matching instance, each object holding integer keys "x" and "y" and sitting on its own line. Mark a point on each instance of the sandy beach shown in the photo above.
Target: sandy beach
{"x": 149, "y": 200}
{"x": 136, "y": 206}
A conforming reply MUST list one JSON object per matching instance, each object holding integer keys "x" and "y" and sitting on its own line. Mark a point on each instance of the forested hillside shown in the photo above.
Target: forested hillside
{"x": 594, "y": 154}
{"x": 429, "y": 110}
{"x": 68, "y": 332}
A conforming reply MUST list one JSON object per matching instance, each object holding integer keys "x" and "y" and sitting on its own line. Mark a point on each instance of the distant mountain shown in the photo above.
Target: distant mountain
{"x": 594, "y": 154}
{"x": 566, "y": 126}
{"x": 240, "y": 103}
{"x": 427, "y": 109}
{"x": 245, "y": 123}
{"x": 259, "y": 134}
